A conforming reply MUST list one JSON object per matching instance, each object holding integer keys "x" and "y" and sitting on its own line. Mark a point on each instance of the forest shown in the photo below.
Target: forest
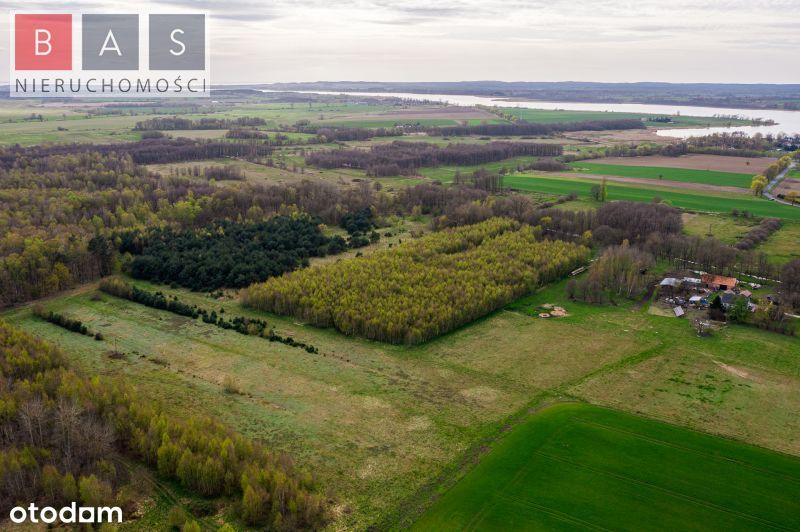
{"x": 224, "y": 254}
{"x": 404, "y": 158}
{"x": 423, "y": 288}
{"x": 63, "y": 437}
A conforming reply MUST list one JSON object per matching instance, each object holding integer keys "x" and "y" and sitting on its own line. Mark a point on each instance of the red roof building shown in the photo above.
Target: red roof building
{"x": 718, "y": 282}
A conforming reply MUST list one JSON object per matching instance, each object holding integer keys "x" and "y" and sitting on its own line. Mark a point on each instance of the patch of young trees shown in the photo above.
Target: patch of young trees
{"x": 247, "y": 326}
{"x": 64, "y": 435}
{"x": 620, "y": 271}
{"x": 404, "y": 158}
{"x": 423, "y": 288}
{"x": 224, "y": 254}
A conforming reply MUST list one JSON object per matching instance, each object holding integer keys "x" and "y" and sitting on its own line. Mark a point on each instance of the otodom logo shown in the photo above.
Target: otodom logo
{"x": 109, "y": 55}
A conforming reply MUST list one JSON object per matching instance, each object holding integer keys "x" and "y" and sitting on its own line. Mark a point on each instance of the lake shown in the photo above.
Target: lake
{"x": 786, "y": 121}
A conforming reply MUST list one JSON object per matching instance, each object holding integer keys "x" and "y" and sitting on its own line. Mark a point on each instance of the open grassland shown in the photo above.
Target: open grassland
{"x": 717, "y": 163}
{"x": 574, "y": 466}
{"x": 784, "y": 244}
{"x": 385, "y": 425}
{"x": 723, "y": 227}
{"x": 376, "y": 422}
{"x": 708, "y": 177}
{"x": 700, "y": 201}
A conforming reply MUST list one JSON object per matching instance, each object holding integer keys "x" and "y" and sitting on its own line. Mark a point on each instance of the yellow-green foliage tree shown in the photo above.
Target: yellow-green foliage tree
{"x": 758, "y": 184}
{"x": 422, "y": 288}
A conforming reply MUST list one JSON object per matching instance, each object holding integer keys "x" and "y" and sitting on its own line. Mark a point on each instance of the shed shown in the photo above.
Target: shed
{"x": 678, "y": 312}
{"x": 670, "y": 281}
{"x": 696, "y": 300}
{"x": 692, "y": 281}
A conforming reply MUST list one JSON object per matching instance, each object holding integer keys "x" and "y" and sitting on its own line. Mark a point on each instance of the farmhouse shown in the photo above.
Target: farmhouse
{"x": 718, "y": 282}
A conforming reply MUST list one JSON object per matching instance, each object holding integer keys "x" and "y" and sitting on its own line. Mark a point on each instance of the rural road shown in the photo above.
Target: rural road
{"x": 775, "y": 181}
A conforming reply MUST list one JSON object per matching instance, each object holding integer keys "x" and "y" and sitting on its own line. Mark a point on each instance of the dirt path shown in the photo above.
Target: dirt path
{"x": 658, "y": 183}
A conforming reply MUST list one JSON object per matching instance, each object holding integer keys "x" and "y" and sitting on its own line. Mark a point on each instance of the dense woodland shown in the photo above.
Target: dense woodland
{"x": 423, "y": 288}
{"x": 62, "y": 437}
{"x": 404, "y": 158}
{"x": 225, "y": 254}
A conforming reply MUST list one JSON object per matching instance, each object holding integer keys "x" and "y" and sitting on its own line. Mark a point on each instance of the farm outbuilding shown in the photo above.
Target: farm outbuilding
{"x": 678, "y": 312}
{"x": 719, "y": 282}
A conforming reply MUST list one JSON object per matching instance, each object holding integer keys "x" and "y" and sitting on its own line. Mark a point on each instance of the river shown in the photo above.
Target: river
{"x": 786, "y": 121}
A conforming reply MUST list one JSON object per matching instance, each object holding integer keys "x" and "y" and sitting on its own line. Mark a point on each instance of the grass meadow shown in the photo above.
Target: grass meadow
{"x": 386, "y": 427}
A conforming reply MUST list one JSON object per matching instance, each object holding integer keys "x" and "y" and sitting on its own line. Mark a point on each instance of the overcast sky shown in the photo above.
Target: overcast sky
{"x": 747, "y": 41}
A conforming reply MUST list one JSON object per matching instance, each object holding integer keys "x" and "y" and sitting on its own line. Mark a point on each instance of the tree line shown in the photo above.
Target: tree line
{"x": 404, "y": 158}
{"x": 172, "y": 123}
{"x": 422, "y": 288}
{"x": 247, "y": 326}
{"x": 63, "y": 435}
{"x": 525, "y": 128}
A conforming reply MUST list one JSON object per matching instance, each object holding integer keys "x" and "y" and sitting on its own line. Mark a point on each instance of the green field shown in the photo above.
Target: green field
{"x": 702, "y": 201}
{"x": 577, "y": 467}
{"x": 708, "y": 177}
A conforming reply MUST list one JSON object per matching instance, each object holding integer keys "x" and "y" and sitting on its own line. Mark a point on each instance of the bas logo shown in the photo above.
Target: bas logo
{"x": 113, "y": 46}
{"x": 43, "y": 42}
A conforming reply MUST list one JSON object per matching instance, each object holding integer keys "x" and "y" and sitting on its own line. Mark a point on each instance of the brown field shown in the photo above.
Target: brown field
{"x": 788, "y": 185}
{"x": 197, "y": 133}
{"x": 608, "y": 138}
{"x": 717, "y": 163}
{"x": 661, "y": 182}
